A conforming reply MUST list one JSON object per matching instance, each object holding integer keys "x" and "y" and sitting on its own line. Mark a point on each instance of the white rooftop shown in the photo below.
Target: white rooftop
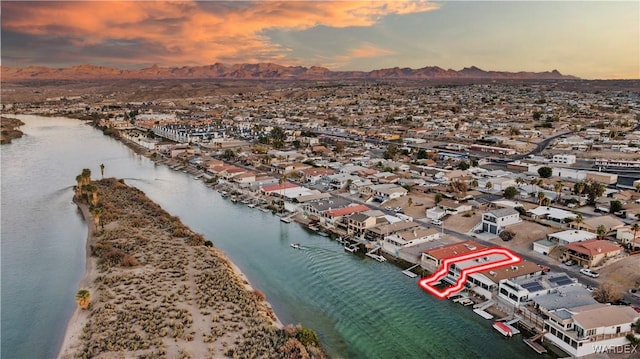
{"x": 573, "y": 235}
{"x": 552, "y": 212}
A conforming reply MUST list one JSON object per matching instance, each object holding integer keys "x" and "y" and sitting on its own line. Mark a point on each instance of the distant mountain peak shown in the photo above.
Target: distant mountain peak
{"x": 264, "y": 70}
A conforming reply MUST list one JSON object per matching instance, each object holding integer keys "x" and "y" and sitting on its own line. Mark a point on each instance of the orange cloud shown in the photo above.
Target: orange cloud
{"x": 186, "y": 33}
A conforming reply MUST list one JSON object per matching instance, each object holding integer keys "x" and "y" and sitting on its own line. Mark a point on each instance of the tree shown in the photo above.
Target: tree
{"x": 594, "y": 191}
{"x": 97, "y": 214}
{"x": 545, "y": 172}
{"x": 463, "y": 165}
{"x": 228, "y": 154}
{"x": 579, "y": 188}
{"x": 390, "y": 152}
{"x": 510, "y": 192}
{"x": 307, "y": 336}
{"x": 438, "y": 198}
{"x": 607, "y": 293}
{"x": 615, "y": 206}
{"x": 410, "y": 201}
{"x": 102, "y": 170}
{"x": 558, "y": 188}
{"x": 489, "y": 185}
{"x": 277, "y": 137}
{"x": 507, "y": 235}
{"x": 579, "y": 219}
{"x": 601, "y": 231}
{"x": 474, "y": 183}
{"x": 537, "y": 115}
{"x": 422, "y": 154}
{"x": 541, "y": 198}
{"x": 83, "y": 298}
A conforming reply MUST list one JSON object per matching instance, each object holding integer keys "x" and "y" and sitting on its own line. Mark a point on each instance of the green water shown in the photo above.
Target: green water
{"x": 359, "y": 307}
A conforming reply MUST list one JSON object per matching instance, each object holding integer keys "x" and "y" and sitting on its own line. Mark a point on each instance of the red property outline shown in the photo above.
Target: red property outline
{"x": 427, "y": 283}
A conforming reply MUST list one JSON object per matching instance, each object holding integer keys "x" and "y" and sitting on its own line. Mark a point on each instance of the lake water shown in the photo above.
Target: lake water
{"x": 359, "y": 307}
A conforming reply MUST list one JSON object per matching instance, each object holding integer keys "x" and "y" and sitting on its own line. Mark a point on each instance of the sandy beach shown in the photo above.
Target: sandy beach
{"x": 158, "y": 291}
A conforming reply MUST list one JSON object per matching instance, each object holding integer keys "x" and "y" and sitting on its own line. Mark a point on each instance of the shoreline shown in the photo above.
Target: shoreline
{"x": 200, "y": 297}
{"x": 80, "y": 317}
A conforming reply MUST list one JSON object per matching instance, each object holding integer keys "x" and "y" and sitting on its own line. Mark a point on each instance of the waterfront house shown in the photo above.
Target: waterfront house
{"x": 313, "y": 175}
{"x": 486, "y": 283}
{"x": 379, "y": 232}
{"x": 335, "y": 217}
{"x": 579, "y": 325}
{"x": 357, "y": 223}
{"x": 590, "y": 253}
{"x": 497, "y": 220}
{"x": 392, "y": 244}
{"x": 520, "y": 291}
{"x": 432, "y": 259}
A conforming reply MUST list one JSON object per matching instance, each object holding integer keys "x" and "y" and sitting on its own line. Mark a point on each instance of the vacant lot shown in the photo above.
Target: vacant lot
{"x": 625, "y": 272}
{"x": 527, "y": 233}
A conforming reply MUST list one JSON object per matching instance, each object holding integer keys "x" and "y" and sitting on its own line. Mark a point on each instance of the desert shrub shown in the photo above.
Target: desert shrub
{"x": 308, "y": 337}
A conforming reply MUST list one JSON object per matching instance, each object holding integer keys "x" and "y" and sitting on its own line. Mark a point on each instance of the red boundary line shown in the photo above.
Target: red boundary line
{"x": 427, "y": 282}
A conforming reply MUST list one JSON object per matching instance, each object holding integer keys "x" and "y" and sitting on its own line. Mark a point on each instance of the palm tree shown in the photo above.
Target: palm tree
{"x": 601, "y": 231}
{"x": 578, "y": 220}
{"x": 579, "y": 187}
{"x": 83, "y": 298}
{"x": 558, "y": 188}
{"x": 410, "y": 201}
{"x": 97, "y": 213}
{"x": 474, "y": 183}
{"x": 489, "y": 185}
{"x": 541, "y": 198}
{"x": 637, "y": 187}
{"x": 533, "y": 182}
{"x": 102, "y": 170}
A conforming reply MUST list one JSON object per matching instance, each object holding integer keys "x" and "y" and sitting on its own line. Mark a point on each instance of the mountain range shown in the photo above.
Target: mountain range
{"x": 265, "y": 71}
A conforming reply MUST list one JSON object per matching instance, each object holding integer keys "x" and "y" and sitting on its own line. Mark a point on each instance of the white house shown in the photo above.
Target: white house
{"x": 625, "y": 235}
{"x": 520, "y": 291}
{"x": 579, "y": 331}
{"x": 564, "y": 159}
{"x": 392, "y": 244}
{"x": 570, "y": 236}
{"x": 495, "y": 221}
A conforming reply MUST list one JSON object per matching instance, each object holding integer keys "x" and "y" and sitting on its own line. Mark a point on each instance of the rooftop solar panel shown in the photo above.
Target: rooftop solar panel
{"x": 532, "y": 287}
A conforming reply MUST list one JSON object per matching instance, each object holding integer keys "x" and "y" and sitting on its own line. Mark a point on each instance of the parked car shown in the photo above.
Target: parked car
{"x": 569, "y": 263}
{"x": 437, "y": 222}
{"x": 589, "y": 272}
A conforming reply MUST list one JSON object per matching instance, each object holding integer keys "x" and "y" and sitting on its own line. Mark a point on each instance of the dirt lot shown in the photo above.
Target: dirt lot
{"x": 625, "y": 272}
{"x": 462, "y": 224}
{"x": 418, "y": 207}
{"x": 527, "y": 233}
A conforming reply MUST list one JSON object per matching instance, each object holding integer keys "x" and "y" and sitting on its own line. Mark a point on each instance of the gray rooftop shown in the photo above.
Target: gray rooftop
{"x": 503, "y": 212}
{"x": 569, "y": 297}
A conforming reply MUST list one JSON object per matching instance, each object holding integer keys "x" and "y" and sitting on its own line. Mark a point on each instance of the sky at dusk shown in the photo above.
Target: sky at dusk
{"x": 582, "y": 38}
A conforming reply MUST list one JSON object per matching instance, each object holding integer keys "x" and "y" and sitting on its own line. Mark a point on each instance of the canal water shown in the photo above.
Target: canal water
{"x": 359, "y": 307}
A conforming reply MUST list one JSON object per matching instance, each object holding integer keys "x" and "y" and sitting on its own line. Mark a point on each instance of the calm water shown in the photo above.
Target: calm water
{"x": 359, "y": 307}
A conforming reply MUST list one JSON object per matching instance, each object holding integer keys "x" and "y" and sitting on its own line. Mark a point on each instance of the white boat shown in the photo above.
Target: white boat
{"x": 295, "y": 245}
{"x": 286, "y": 219}
{"x": 251, "y": 205}
{"x": 351, "y": 248}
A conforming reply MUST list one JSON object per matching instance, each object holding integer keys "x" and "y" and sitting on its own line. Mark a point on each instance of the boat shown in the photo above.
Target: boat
{"x": 505, "y": 329}
{"x": 324, "y": 234}
{"x": 351, "y": 248}
{"x": 295, "y": 245}
{"x": 251, "y": 205}
{"x": 286, "y": 219}
{"x": 313, "y": 228}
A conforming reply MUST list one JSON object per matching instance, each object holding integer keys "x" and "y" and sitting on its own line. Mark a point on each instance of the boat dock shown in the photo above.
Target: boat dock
{"x": 537, "y": 347}
{"x": 409, "y": 273}
{"x": 377, "y": 257}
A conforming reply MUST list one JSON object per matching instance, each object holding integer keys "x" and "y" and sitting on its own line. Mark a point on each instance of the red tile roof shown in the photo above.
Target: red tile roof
{"x": 454, "y": 249}
{"x": 279, "y": 187}
{"x": 339, "y": 212}
{"x": 593, "y": 246}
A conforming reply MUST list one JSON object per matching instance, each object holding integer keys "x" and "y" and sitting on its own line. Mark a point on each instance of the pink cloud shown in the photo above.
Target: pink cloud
{"x": 200, "y": 33}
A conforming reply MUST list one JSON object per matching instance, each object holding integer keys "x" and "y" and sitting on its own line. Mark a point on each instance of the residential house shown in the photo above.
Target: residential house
{"x": 431, "y": 259}
{"x": 497, "y": 220}
{"x": 579, "y": 325}
{"x": 313, "y": 175}
{"x": 335, "y": 216}
{"x": 551, "y": 214}
{"x": 386, "y": 191}
{"x": 521, "y": 291}
{"x": 392, "y": 244}
{"x": 358, "y": 223}
{"x": 454, "y": 207}
{"x": 610, "y": 223}
{"x": 628, "y": 237}
{"x": 570, "y": 236}
{"x": 591, "y": 253}
{"x": 379, "y": 232}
